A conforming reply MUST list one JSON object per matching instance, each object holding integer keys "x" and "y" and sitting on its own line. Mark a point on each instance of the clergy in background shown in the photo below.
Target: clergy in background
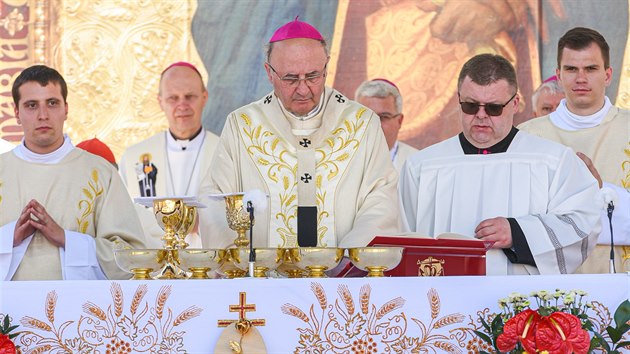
{"x": 321, "y": 158}
{"x": 182, "y": 154}
{"x": 587, "y": 122}
{"x": 384, "y": 98}
{"x": 62, "y": 210}
{"x": 534, "y": 198}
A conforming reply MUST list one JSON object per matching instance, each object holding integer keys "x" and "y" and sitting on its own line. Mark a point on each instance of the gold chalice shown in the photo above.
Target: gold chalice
{"x": 228, "y": 267}
{"x": 138, "y": 262}
{"x": 200, "y": 261}
{"x": 169, "y": 214}
{"x": 316, "y": 260}
{"x": 188, "y": 222}
{"x": 288, "y": 266}
{"x": 375, "y": 260}
{"x": 266, "y": 259}
{"x": 238, "y": 218}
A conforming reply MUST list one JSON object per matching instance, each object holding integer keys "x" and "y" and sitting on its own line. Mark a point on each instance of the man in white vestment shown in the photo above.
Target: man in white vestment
{"x": 62, "y": 210}
{"x": 182, "y": 153}
{"x": 384, "y": 98}
{"x": 320, "y": 157}
{"x": 587, "y": 122}
{"x": 5, "y": 146}
{"x": 533, "y": 198}
{"x": 546, "y": 98}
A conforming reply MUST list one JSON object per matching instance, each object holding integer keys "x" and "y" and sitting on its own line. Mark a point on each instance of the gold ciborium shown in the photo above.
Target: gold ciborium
{"x": 200, "y": 261}
{"x": 266, "y": 259}
{"x": 315, "y": 260}
{"x": 238, "y": 218}
{"x": 138, "y": 262}
{"x": 188, "y": 222}
{"x": 375, "y": 260}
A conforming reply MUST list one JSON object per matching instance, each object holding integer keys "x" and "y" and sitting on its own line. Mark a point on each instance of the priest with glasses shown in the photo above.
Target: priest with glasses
{"x": 321, "y": 158}
{"x": 533, "y": 198}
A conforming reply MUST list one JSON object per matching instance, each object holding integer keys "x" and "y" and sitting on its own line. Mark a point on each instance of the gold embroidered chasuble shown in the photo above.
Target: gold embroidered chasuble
{"x": 345, "y": 162}
{"x": 82, "y": 193}
{"x": 608, "y": 146}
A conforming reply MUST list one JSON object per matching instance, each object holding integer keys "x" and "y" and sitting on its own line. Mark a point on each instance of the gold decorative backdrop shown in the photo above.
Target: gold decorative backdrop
{"x": 111, "y": 53}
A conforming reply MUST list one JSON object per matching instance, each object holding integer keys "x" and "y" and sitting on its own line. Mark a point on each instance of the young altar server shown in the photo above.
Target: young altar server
{"x": 62, "y": 210}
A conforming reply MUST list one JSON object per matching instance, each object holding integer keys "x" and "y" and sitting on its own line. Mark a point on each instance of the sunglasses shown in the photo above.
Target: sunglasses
{"x": 493, "y": 109}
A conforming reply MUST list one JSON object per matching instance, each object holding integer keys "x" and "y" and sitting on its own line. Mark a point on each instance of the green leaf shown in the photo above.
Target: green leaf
{"x": 622, "y": 344}
{"x": 6, "y": 322}
{"x": 602, "y": 342}
{"x": 12, "y": 328}
{"x": 484, "y": 337}
{"x": 614, "y": 334}
{"x": 622, "y": 314}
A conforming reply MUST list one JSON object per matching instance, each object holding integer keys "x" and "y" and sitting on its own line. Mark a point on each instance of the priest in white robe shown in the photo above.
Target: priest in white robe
{"x": 532, "y": 197}
{"x": 180, "y": 155}
{"x": 320, "y": 157}
{"x": 62, "y": 210}
{"x": 383, "y": 97}
{"x": 587, "y": 122}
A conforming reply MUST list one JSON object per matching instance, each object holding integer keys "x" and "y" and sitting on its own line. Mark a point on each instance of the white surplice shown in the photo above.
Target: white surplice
{"x": 85, "y": 196}
{"x": 541, "y": 184}
{"x": 606, "y": 144}
{"x": 345, "y": 163}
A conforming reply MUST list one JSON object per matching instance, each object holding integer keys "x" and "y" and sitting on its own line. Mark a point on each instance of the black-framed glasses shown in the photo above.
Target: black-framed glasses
{"x": 292, "y": 80}
{"x": 387, "y": 116}
{"x": 493, "y": 109}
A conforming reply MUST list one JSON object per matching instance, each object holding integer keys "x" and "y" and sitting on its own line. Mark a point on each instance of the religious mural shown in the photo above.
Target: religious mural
{"x": 112, "y": 52}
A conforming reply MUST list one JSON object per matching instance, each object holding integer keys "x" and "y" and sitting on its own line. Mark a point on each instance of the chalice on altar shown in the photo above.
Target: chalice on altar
{"x": 375, "y": 260}
{"x": 188, "y": 222}
{"x": 169, "y": 213}
{"x": 238, "y": 218}
{"x": 266, "y": 259}
{"x": 200, "y": 261}
{"x": 138, "y": 262}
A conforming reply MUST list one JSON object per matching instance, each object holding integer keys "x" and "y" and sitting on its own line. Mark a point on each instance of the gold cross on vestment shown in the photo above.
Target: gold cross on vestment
{"x": 242, "y": 308}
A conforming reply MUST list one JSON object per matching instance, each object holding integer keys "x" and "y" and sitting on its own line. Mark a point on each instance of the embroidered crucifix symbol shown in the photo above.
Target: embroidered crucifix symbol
{"x": 340, "y": 98}
{"x": 242, "y": 308}
{"x": 306, "y": 178}
{"x": 267, "y": 100}
{"x": 305, "y": 142}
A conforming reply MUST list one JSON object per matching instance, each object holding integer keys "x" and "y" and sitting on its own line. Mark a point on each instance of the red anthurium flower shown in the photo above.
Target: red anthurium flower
{"x": 6, "y": 345}
{"x": 562, "y": 333}
{"x": 521, "y": 327}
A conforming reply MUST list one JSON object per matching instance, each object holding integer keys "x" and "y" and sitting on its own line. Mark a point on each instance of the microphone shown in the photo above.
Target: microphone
{"x": 252, "y": 251}
{"x": 609, "y": 211}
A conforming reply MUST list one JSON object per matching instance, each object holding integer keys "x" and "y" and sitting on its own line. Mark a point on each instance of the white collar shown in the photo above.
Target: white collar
{"x": 27, "y": 155}
{"x": 193, "y": 144}
{"x": 567, "y": 120}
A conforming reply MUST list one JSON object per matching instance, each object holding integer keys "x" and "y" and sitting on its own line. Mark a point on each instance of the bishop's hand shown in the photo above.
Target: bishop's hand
{"x": 34, "y": 217}
{"x": 497, "y": 230}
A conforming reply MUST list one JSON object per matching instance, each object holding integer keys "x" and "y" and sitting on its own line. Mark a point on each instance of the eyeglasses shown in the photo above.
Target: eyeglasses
{"x": 388, "y": 116}
{"x": 493, "y": 109}
{"x": 292, "y": 80}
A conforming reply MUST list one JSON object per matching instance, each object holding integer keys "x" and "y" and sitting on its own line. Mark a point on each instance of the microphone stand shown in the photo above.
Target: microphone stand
{"x": 611, "y": 208}
{"x": 252, "y": 251}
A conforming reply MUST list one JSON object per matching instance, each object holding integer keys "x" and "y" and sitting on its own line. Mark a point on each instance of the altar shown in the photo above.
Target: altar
{"x": 329, "y": 315}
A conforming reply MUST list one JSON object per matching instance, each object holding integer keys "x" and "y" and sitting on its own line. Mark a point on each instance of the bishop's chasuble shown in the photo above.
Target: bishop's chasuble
{"x": 85, "y": 196}
{"x": 342, "y": 167}
{"x": 608, "y": 146}
{"x": 542, "y": 184}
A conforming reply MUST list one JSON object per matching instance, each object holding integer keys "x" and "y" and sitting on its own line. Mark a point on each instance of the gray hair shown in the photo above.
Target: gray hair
{"x": 381, "y": 89}
{"x": 552, "y": 86}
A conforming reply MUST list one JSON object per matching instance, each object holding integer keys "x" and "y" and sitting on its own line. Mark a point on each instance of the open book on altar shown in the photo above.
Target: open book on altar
{"x": 447, "y": 254}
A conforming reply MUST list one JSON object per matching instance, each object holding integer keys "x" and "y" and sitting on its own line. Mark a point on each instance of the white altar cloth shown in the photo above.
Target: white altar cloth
{"x": 336, "y": 315}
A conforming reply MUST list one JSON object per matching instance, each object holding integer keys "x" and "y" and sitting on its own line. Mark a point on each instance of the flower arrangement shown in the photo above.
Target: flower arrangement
{"x": 560, "y": 325}
{"x": 6, "y": 342}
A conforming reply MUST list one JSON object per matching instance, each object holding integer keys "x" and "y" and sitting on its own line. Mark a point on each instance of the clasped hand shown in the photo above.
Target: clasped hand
{"x": 34, "y": 217}
{"x": 497, "y": 230}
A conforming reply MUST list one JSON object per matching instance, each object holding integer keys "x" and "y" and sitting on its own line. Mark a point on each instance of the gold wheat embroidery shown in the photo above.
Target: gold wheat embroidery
{"x": 92, "y": 192}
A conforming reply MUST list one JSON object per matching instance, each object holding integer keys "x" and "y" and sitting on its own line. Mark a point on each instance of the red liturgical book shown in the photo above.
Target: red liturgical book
{"x": 446, "y": 255}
